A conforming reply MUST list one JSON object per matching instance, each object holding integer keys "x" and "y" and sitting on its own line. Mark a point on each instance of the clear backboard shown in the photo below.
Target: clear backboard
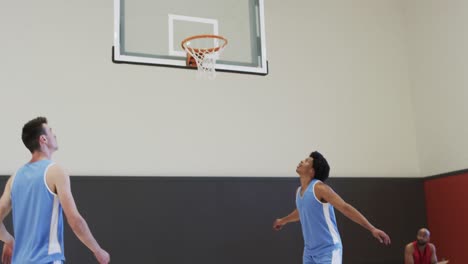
{"x": 150, "y": 32}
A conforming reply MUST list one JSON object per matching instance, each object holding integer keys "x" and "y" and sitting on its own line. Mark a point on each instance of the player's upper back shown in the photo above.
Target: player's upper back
{"x": 30, "y": 181}
{"x": 37, "y": 215}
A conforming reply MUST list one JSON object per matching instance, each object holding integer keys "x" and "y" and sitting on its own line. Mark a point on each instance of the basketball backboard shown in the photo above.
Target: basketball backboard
{"x": 150, "y": 32}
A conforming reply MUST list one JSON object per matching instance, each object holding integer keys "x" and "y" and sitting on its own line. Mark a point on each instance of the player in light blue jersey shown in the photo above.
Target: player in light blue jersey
{"x": 314, "y": 209}
{"x": 37, "y": 194}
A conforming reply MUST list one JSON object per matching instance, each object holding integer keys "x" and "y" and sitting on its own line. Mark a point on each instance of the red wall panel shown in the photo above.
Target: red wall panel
{"x": 447, "y": 216}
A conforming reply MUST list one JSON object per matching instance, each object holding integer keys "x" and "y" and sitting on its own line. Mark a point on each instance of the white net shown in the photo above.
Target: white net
{"x": 206, "y": 58}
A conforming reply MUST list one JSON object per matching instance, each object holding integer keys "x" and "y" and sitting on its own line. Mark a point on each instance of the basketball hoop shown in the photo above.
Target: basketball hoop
{"x": 204, "y": 58}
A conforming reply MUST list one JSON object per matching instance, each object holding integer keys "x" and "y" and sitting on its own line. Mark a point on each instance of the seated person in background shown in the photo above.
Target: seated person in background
{"x": 421, "y": 251}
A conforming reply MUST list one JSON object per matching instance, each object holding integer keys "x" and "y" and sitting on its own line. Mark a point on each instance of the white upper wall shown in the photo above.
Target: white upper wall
{"x": 338, "y": 83}
{"x": 438, "y": 42}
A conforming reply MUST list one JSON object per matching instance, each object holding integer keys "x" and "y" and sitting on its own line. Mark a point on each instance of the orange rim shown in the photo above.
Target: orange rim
{"x": 204, "y": 50}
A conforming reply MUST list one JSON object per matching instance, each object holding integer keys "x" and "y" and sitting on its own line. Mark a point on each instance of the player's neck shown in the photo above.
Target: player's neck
{"x": 41, "y": 155}
{"x": 305, "y": 181}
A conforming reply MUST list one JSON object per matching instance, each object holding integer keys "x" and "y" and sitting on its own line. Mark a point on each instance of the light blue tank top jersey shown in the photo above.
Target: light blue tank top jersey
{"x": 318, "y": 222}
{"x": 37, "y": 216}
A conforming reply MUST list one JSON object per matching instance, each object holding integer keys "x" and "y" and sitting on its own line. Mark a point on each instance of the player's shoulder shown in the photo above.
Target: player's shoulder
{"x": 322, "y": 186}
{"x": 432, "y": 246}
{"x": 11, "y": 179}
{"x": 322, "y": 191}
{"x": 56, "y": 170}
